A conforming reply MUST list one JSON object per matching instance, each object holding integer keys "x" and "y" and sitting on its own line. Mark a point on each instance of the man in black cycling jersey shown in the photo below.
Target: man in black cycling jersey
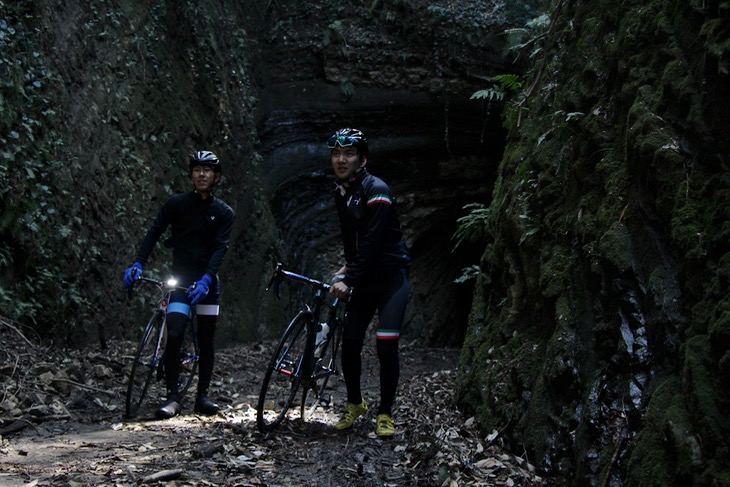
{"x": 200, "y": 226}
{"x": 375, "y": 273}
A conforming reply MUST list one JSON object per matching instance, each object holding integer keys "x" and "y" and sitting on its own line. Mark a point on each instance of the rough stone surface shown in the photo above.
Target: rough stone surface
{"x": 598, "y": 329}
{"x": 135, "y": 90}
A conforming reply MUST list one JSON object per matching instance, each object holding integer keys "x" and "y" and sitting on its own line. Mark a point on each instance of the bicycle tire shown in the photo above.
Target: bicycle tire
{"x": 324, "y": 367}
{"x": 189, "y": 355}
{"x": 282, "y": 377}
{"x": 145, "y": 364}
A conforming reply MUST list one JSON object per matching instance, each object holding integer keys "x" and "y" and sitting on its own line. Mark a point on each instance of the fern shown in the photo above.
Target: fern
{"x": 509, "y": 82}
{"x": 471, "y": 227}
{"x": 489, "y": 94}
{"x": 468, "y": 274}
{"x": 333, "y": 30}
{"x": 347, "y": 89}
{"x": 506, "y": 83}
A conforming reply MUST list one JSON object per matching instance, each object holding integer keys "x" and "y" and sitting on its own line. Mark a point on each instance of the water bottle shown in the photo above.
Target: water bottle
{"x": 319, "y": 342}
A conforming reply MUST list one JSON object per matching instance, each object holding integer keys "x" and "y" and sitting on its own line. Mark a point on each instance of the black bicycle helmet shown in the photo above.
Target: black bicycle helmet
{"x": 347, "y": 137}
{"x": 204, "y": 158}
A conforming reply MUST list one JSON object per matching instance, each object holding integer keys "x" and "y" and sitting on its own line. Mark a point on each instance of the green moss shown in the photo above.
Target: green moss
{"x": 715, "y": 31}
{"x": 635, "y": 198}
{"x": 724, "y": 367}
{"x": 603, "y": 207}
{"x": 615, "y": 246}
{"x": 651, "y": 135}
{"x": 536, "y": 427}
{"x": 479, "y": 342}
{"x": 707, "y": 402}
{"x": 700, "y": 228}
{"x": 701, "y": 389}
{"x": 556, "y": 270}
{"x": 719, "y": 328}
{"x": 650, "y": 462}
{"x": 497, "y": 367}
{"x": 686, "y": 223}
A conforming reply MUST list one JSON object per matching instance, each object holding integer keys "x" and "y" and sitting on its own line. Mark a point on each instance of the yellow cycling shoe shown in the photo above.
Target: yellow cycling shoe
{"x": 384, "y": 426}
{"x": 352, "y": 412}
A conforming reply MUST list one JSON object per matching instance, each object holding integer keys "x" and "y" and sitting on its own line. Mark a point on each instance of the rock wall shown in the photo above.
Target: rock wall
{"x": 104, "y": 101}
{"x": 402, "y": 72}
{"x": 598, "y": 338}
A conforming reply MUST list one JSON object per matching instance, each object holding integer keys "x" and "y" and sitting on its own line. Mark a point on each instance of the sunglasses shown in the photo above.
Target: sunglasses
{"x": 342, "y": 141}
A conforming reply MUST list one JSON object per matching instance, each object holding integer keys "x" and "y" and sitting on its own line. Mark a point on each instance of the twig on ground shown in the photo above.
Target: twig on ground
{"x": 84, "y": 386}
{"x": 163, "y": 475}
{"x": 20, "y": 334}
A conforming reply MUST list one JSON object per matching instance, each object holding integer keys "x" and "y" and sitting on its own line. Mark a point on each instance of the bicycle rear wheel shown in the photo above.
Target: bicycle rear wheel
{"x": 282, "y": 377}
{"x": 146, "y": 362}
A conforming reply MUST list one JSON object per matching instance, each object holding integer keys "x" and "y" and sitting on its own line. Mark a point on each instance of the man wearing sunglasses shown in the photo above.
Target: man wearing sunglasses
{"x": 375, "y": 275}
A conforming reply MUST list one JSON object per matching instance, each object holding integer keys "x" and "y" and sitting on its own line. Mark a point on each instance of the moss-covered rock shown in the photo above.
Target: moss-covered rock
{"x": 609, "y": 251}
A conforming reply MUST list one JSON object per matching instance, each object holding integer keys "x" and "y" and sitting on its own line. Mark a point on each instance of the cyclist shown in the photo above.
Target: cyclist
{"x": 200, "y": 227}
{"x": 376, "y": 270}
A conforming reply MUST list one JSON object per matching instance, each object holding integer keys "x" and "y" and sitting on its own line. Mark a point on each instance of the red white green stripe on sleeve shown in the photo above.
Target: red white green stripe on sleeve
{"x": 387, "y": 334}
{"x": 380, "y": 198}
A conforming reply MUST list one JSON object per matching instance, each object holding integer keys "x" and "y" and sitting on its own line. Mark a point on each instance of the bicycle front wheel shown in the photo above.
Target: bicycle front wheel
{"x": 145, "y": 363}
{"x": 282, "y": 377}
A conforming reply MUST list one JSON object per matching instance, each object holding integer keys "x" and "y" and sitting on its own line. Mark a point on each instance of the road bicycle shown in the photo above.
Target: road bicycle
{"x": 147, "y": 372}
{"x": 301, "y": 358}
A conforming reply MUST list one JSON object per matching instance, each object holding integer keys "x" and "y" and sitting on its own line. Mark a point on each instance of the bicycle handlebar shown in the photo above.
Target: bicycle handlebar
{"x": 169, "y": 285}
{"x": 280, "y": 273}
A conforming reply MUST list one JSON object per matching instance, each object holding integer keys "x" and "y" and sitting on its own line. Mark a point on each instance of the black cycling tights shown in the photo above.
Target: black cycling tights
{"x": 389, "y": 371}
{"x": 175, "y": 333}
{"x": 389, "y": 297}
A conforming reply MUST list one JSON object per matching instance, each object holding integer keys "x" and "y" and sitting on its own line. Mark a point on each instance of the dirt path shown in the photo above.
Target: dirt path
{"x": 81, "y": 438}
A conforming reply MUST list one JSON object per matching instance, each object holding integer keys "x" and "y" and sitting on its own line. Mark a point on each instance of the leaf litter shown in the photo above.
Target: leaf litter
{"x": 62, "y": 424}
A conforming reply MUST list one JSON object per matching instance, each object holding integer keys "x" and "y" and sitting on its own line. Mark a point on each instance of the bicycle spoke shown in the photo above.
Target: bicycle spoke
{"x": 146, "y": 361}
{"x": 282, "y": 379}
{"x": 317, "y": 394}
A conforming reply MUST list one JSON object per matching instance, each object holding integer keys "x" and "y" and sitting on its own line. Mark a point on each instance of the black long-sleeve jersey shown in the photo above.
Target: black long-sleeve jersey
{"x": 200, "y": 232}
{"x": 371, "y": 231}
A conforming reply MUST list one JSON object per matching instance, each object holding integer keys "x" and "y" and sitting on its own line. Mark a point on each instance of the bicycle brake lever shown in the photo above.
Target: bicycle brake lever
{"x": 275, "y": 281}
{"x": 277, "y": 291}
